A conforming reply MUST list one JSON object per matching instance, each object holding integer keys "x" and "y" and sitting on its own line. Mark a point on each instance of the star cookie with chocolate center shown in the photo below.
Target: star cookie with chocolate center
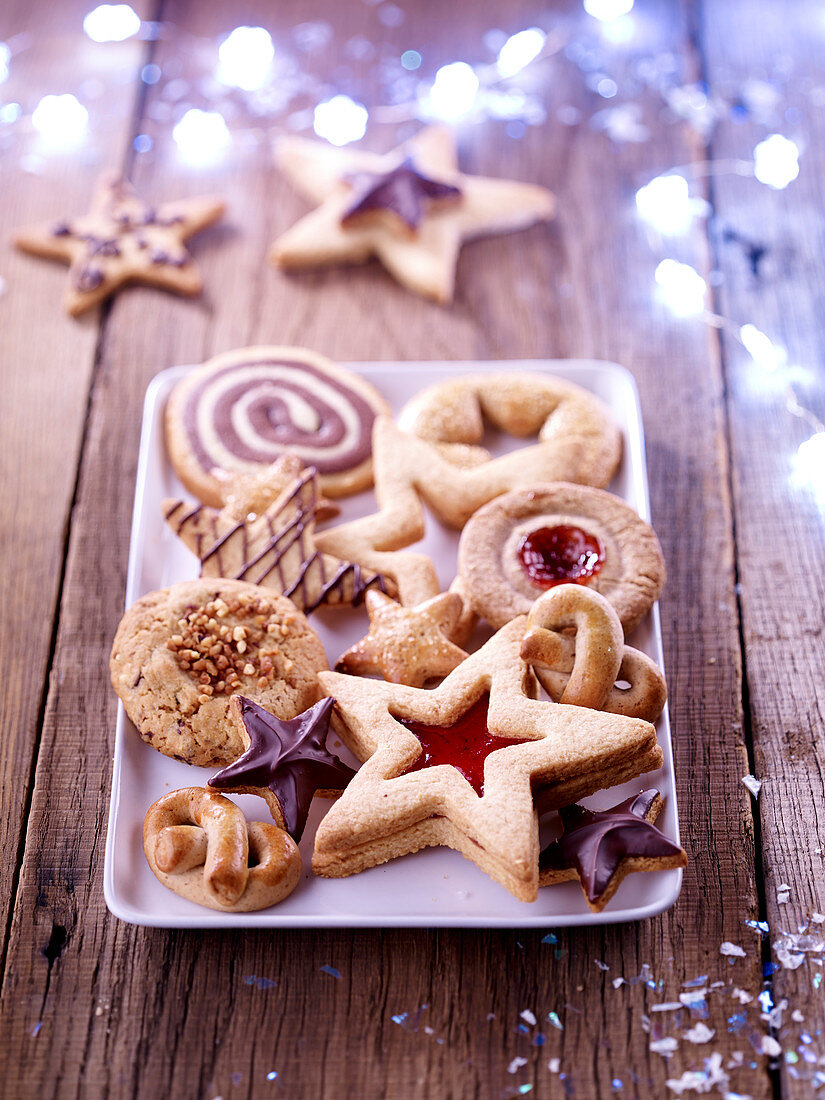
{"x": 407, "y": 645}
{"x": 286, "y": 762}
{"x": 124, "y": 240}
{"x": 275, "y": 549}
{"x": 600, "y": 847}
{"x": 412, "y": 208}
{"x": 457, "y": 765}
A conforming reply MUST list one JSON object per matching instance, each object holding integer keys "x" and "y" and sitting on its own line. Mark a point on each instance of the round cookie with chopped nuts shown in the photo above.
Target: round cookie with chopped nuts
{"x": 180, "y": 654}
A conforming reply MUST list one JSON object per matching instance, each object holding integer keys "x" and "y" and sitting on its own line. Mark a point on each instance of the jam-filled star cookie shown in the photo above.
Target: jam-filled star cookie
{"x": 457, "y": 765}
{"x": 600, "y": 847}
{"x": 124, "y": 240}
{"x": 412, "y": 208}
{"x": 180, "y": 654}
{"x": 242, "y": 410}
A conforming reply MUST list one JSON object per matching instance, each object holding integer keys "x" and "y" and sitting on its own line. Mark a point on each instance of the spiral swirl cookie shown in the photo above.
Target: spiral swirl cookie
{"x": 241, "y": 411}
{"x": 525, "y": 542}
{"x": 180, "y": 654}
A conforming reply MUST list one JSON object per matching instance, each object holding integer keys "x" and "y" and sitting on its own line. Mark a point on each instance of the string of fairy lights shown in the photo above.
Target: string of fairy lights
{"x": 247, "y": 61}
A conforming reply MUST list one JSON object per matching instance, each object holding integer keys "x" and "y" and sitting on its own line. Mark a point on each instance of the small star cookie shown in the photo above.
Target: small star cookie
{"x": 600, "y": 847}
{"x": 124, "y": 240}
{"x": 407, "y": 645}
{"x": 411, "y": 208}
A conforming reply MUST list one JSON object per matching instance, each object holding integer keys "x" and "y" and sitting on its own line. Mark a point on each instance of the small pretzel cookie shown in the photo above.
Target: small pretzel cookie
{"x": 527, "y": 541}
{"x": 584, "y": 670}
{"x": 242, "y": 410}
{"x": 200, "y": 846}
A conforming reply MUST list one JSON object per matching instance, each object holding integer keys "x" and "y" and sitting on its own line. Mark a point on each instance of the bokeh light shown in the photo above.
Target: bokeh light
{"x": 665, "y": 204}
{"x": 5, "y": 58}
{"x": 245, "y": 58}
{"x": 761, "y": 348}
{"x": 809, "y": 466}
{"x": 453, "y": 92}
{"x": 519, "y": 50}
{"x": 340, "y": 120}
{"x": 111, "y": 23}
{"x": 61, "y": 120}
{"x": 681, "y": 288}
{"x": 776, "y": 161}
{"x": 606, "y": 10}
{"x": 201, "y": 136}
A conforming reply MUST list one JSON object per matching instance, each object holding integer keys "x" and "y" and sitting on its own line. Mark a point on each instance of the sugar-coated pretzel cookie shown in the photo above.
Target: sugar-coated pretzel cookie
{"x": 577, "y": 438}
{"x": 241, "y": 410}
{"x": 524, "y": 542}
{"x": 457, "y": 765}
{"x": 199, "y": 845}
{"x": 276, "y": 548}
{"x": 180, "y": 654}
{"x": 584, "y": 669}
{"x": 600, "y": 847}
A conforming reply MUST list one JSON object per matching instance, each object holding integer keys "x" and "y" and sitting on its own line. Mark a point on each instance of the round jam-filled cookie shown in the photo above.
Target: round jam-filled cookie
{"x": 180, "y": 654}
{"x": 577, "y": 438}
{"x": 525, "y": 542}
{"x": 242, "y": 410}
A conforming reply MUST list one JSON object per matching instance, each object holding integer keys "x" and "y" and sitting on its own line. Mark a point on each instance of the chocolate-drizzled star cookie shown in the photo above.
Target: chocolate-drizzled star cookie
{"x": 275, "y": 549}
{"x": 457, "y": 765}
{"x": 124, "y": 240}
{"x": 285, "y": 762}
{"x": 239, "y": 412}
{"x": 600, "y": 847}
{"x": 411, "y": 208}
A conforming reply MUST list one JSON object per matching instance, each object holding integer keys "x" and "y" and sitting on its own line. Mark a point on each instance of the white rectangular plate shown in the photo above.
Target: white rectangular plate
{"x": 433, "y": 888}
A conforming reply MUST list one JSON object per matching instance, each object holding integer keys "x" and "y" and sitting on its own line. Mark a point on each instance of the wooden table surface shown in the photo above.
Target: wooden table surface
{"x": 95, "y": 1007}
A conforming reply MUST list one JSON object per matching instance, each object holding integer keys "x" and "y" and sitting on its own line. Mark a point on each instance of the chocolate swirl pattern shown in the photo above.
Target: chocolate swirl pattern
{"x": 276, "y": 549}
{"x": 242, "y": 411}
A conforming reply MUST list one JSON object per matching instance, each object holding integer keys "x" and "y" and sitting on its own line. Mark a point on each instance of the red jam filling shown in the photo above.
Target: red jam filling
{"x": 560, "y": 555}
{"x": 465, "y": 745}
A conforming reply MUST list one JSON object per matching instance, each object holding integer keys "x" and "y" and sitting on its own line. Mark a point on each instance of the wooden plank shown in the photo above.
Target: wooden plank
{"x": 47, "y": 364}
{"x": 580, "y": 287}
{"x": 767, "y": 249}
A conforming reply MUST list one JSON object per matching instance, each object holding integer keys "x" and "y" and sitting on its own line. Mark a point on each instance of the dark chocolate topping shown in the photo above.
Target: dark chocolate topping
{"x": 268, "y": 415}
{"x": 289, "y": 756}
{"x": 403, "y": 191}
{"x": 596, "y": 841}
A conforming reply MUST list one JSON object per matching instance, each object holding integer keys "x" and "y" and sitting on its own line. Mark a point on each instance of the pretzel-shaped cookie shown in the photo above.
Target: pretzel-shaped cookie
{"x": 199, "y": 845}
{"x": 583, "y": 670}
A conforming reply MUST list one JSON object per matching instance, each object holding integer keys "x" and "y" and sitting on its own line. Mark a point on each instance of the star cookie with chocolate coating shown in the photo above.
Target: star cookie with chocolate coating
{"x": 124, "y": 240}
{"x": 600, "y": 847}
{"x": 286, "y": 762}
{"x": 275, "y": 549}
{"x": 407, "y": 645}
{"x": 432, "y": 774}
{"x": 411, "y": 208}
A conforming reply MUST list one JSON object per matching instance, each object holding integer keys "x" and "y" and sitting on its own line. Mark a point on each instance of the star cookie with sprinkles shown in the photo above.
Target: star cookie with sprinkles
{"x": 407, "y": 645}
{"x": 457, "y": 765}
{"x": 286, "y": 761}
{"x": 275, "y": 548}
{"x": 124, "y": 240}
{"x": 411, "y": 208}
{"x": 600, "y": 847}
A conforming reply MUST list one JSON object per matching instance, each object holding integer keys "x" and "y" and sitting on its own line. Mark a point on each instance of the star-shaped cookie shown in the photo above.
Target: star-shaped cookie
{"x": 600, "y": 847}
{"x": 407, "y": 645}
{"x": 389, "y": 810}
{"x": 410, "y": 208}
{"x": 123, "y": 240}
{"x": 275, "y": 549}
{"x": 286, "y": 761}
